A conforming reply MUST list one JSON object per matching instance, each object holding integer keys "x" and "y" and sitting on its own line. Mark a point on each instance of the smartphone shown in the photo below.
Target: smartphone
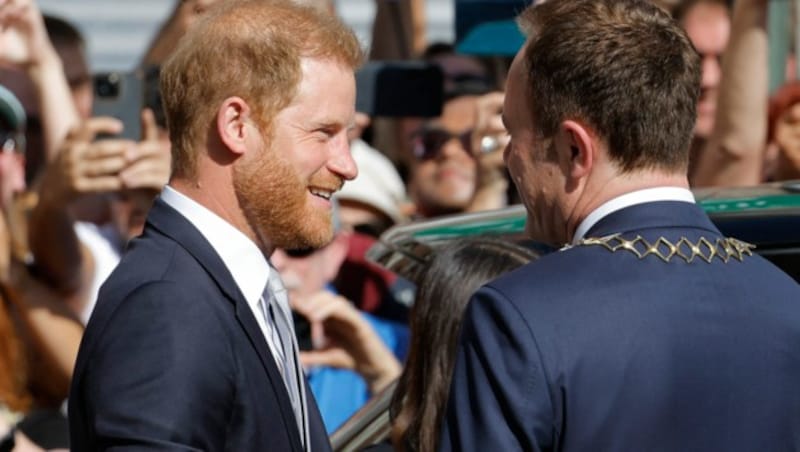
{"x": 400, "y": 88}
{"x": 120, "y": 95}
{"x": 152, "y": 95}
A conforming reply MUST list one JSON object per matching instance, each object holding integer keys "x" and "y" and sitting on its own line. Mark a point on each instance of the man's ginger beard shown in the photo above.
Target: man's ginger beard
{"x": 275, "y": 202}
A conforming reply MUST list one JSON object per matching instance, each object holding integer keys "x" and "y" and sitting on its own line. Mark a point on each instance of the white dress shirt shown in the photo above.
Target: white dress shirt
{"x": 631, "y": 199}
{"x": 244, "y": 260}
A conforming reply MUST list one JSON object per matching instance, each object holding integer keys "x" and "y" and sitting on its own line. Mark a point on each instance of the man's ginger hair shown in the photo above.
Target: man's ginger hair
{"x": 246, "y": 48}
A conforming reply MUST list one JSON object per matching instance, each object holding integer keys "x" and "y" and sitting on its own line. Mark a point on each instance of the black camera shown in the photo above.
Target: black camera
{"x": 107, "y": 85}
{"x": 399, "y": 88}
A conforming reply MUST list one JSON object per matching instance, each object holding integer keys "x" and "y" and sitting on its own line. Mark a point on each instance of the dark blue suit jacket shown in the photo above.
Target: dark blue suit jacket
{"x": 589, "y": 350}
{"x": 173, "y": 358}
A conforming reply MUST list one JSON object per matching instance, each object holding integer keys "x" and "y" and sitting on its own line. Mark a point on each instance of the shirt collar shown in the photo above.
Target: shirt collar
{"x": 631, "y": 199}
{"x": 244, "y": 260}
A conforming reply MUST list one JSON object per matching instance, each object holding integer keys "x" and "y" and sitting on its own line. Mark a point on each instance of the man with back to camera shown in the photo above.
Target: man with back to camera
{"x": 648, "y": 330}
{"x": 190, "y": 346}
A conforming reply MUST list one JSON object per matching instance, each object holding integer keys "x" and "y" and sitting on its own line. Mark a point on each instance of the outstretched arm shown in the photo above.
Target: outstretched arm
{"x": 186, "y": 12}
{"x": 24, "y": 45}
{"x": 83, "y": 166}
{"x": 86, "y": 166}
{"x": 492, "y": 183}
{"x": 734, "y": 154}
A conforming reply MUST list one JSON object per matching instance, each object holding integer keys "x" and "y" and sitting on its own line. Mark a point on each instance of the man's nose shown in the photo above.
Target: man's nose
{"x": 341, "y": 160}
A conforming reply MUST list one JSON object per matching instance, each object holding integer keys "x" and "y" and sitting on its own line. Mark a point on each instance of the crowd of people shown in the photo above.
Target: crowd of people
{"x": 204, "y": 285}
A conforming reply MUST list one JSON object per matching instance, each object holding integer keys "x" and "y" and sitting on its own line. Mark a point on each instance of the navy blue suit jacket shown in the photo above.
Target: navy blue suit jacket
{"x": 173, "y": 358}
{"x": 589, "y": 350}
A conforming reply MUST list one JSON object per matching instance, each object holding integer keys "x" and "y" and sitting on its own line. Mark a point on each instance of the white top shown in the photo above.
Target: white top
{"x": 100, "y": 241}
{"x": 631, "y": 199}
{"x": 244, "y": 260}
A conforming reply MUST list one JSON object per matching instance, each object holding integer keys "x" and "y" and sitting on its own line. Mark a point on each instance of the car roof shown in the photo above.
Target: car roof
{"x": 767, "y": 216}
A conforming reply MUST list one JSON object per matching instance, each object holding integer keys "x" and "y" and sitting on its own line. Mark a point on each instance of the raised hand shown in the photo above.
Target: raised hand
{"x": 489, "y": 139}
{"x": 23, "y": 38}
{"x": 344, "y": 339}
{"x": 85, "y": 165}
{"x": 149, "y": 163}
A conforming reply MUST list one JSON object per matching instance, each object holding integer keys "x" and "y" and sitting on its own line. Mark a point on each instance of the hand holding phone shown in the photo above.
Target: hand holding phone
{"x": 85, "y": 165}
{"x": 489, "y": 135}
{"x": 399, "y": 89}
{"x": 489, "y": 139}
{"x": 149, "y": 162}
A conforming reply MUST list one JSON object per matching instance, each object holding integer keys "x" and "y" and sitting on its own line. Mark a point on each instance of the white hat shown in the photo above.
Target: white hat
{"x": 378, "y": 183}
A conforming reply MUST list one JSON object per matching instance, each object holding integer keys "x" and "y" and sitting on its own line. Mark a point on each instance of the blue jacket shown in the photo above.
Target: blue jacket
{"x": 588, "y": 349}
{"x": 173, "y": 358}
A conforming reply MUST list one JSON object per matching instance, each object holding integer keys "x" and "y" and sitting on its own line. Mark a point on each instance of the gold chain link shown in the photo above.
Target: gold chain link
{"x": 723, "y": 248}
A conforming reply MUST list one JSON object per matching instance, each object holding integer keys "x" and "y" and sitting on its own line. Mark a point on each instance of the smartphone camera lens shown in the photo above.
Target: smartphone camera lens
{"x": 107, "y": 85}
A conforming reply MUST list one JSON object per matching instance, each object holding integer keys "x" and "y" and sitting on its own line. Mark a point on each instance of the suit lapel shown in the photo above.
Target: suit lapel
{"x": 250, "y": 326}
{"x": 171, "y": 223}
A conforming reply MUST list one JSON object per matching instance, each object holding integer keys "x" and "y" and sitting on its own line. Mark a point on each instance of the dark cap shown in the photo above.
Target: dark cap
{"x": 12, "y": 115}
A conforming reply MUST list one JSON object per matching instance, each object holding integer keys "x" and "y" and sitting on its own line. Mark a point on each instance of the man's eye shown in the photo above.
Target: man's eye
{"x": 326, "y": 133}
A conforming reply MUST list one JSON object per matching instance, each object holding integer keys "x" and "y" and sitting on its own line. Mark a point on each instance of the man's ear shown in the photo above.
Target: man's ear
{"x": 233, "y": 124}
{"x": 578, "y": 149}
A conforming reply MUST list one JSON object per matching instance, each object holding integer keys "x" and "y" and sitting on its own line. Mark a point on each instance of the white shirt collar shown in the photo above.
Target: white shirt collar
{"x": 247, "y": 264}
{"x": 630, "y": 199}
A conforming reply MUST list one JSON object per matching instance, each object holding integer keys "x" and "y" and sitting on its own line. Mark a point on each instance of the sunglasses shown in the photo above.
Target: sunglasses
{"x": 300, "y": 252}
{"x": 429, "y": 142}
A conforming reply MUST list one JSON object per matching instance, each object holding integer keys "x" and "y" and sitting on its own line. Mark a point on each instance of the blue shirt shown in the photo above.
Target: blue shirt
{"x": 341, "y": 392}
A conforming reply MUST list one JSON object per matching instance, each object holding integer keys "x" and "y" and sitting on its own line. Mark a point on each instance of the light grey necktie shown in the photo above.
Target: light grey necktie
{"x": 279, "y": 319}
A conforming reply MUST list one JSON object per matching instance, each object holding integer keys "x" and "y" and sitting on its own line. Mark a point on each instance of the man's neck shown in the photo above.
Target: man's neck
{"x": 221, "y": 202}
{"x": 595, "y": 196}
{"x": 634, "y": 198}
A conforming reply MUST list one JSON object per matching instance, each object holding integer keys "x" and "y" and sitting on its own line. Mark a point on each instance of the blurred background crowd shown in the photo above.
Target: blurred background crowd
{"x": 85, "y": 150}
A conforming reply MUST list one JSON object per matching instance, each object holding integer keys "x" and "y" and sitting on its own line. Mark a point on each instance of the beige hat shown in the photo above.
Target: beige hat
{"x": 378, "y": 183}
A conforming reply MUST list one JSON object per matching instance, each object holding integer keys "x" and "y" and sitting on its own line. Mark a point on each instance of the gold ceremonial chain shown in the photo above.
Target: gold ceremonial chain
{"x": 707, "y": 250}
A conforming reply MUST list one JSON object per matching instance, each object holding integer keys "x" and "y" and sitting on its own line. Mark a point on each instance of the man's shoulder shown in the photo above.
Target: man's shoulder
{"x": 564, "y": 283}
{"x": 550, "y": 272}
{"x": 152, "y": 300}
{"x": 156, "y": 275}
{"x": 153, "y": 257}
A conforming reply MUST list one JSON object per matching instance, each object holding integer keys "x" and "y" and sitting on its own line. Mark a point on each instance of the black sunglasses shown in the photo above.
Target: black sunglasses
{"x": 300, "y": 252}
{"x": 428, "y": 142}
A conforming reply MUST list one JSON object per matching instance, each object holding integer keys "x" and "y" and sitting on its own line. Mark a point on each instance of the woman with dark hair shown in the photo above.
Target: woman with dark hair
{"x": 453, "y": 273}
